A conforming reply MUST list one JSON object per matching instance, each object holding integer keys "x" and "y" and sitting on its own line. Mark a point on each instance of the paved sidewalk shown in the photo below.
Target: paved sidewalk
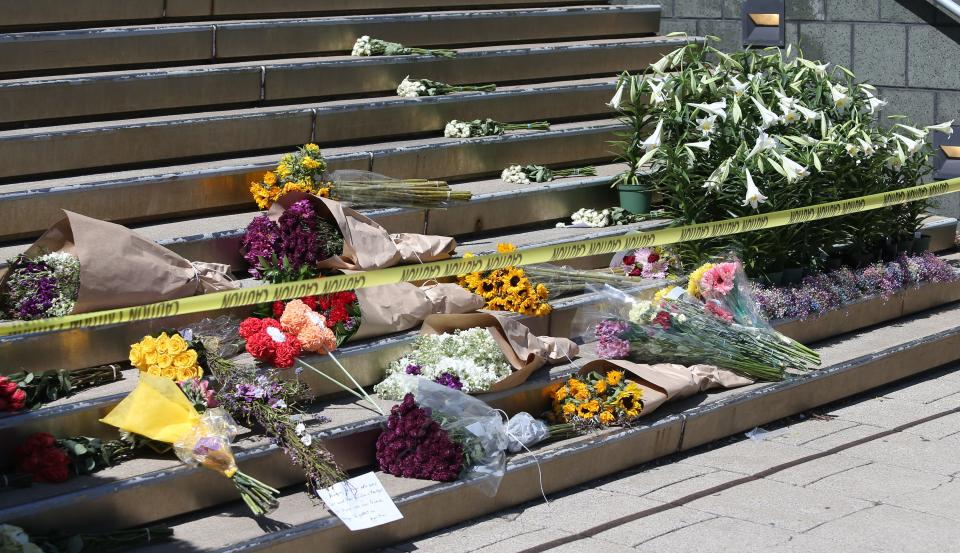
{"x": 898, "y": 493}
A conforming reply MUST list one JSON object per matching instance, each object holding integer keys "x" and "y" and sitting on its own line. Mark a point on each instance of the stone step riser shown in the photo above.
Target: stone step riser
{"x": 204, "y": 87}
{"x": 167, "y": 44}
{"x": 182, "y": 191}
{"x": 57, "y": 14}
{"x": 119, "y": 144}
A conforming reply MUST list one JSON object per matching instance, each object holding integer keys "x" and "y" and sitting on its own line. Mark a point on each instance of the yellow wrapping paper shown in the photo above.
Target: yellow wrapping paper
{"x": 156, "y": 409}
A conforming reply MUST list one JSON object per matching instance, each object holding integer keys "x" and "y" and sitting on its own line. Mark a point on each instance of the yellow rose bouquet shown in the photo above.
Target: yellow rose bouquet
{"x": 166, "y": 356}
{"x": 598, "y": 400}
{"x": 306, "y": 171}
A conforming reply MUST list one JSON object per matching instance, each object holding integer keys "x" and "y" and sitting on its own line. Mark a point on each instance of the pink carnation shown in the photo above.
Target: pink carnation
{"x": 718, "y": 281}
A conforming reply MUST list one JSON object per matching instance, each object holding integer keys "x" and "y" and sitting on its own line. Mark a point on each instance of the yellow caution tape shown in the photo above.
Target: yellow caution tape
{"x": 568, "y": 250}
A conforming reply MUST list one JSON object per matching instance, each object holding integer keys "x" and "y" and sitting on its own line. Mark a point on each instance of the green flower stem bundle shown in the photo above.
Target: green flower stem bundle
{"x": 48, "y": 386}
{"x": 489, "y": 127}
{"x": 414, "y": 88}
{"x": 366, "y": 46}
{"x": 728, "y": 135}
{"x": 14, "y": 538}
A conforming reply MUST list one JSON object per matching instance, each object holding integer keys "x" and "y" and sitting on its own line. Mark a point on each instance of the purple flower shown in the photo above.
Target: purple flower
{"x": 449, "y": 380}
{"x": 412, "y": 369}
{"x": 261, "y": 239}
{"x": 613, "y": 348}
{"x": 415, "y": 446}
{"x": 610, "y": 328}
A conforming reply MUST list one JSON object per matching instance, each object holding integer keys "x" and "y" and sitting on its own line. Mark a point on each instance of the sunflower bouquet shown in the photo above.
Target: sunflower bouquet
{"x": 598, "y": 400}
{"x": 508, "y": 289}
{"x": 306, "y": 171}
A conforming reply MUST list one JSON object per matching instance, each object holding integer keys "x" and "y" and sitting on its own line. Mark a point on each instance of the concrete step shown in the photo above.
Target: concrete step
{"x": 177, "y": 43}
{"x": 59, "y": 14}
{"x": 160, "y": 140}
{"x": 246, "y": 84}
{"x": 120, "y": 496}
{"x": 186, "y": 191}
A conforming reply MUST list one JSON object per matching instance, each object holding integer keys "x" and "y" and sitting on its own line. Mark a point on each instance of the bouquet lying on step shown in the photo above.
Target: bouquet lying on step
{"x": 14, "y": 539}
{"x": 414, "y": 88}
{"x": 489, "y": 127}
{"x": 715, "y": 321}
{"x": 525, "y": 174}
{"x": 306, "y": 171}
{"x": 28, "y": 390}
{"x": 366, "y": 46}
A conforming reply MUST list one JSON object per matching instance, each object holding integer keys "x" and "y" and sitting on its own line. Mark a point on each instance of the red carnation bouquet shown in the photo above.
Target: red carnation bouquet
{"x": 266, "y": 341}
{"x": 340, "y": 311}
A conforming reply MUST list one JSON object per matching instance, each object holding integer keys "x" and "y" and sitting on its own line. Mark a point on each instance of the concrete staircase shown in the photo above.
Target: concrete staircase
{"x": 158, "y": 114}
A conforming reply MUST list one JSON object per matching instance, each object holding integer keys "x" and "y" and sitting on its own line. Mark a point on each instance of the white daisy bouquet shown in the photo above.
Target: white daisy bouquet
{"x": 468, "y": 360}
{"x": 525, "y": 174}
{"x": 489, "y": 127}
{"x": 366, "y": 46}
{"x": 414, "y": 88}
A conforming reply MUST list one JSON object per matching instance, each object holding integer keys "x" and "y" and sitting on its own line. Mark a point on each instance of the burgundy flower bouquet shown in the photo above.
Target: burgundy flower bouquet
{"x": 414, "y": 445}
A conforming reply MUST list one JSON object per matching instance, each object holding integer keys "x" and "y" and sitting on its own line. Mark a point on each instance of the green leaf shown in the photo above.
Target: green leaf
{"x": 816, "y": 162}
{"x": 777, "y": 167}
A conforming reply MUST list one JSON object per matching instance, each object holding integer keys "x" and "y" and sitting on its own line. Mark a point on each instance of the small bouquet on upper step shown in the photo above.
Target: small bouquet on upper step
{"x": 474, "y": 353}
{"x": 438, "y": 433}
{"x": 72, "y": 269}
{"x": 525, "y": 174}
{"x": 366, "y": 46}
{"x": 45, "y": 458}
{"x": 14, "y": 539}
{"x": 28, "y": 390}
{"x": 508, "y": 289}
{"x": 305, "y": 236}
{"x": 617, "y": 393}
{"x": 159, "y": 410}
{"x": 306, "y": 171}
{"x": 414, "y": 88}
{"x": 489, "y": 127}
{"x": 714, "y": 321}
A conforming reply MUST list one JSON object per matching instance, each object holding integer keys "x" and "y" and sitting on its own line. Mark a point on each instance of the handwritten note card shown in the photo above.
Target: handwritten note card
{"x": 361, "y": 502}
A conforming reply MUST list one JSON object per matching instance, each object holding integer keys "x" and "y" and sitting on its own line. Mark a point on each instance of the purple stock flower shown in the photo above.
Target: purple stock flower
{"x": 261, "y": 239}
{"x": 610, "y": 328}
{"x": 449, "y": 380}
{"x": 412, "y": 369}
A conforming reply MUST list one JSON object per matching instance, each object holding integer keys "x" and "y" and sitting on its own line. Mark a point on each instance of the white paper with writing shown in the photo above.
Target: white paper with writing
{"x": 361, "y": 502}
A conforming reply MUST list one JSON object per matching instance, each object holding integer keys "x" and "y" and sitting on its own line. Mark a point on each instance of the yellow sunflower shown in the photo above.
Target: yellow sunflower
{"x": 588, "y": 409}
{"x": 600, "y": 386}
{"x": 569, "y": 408}
{"x": 607, "y": 418}
{"x": 505, "y": 247}
{"x": 614, "y": 377}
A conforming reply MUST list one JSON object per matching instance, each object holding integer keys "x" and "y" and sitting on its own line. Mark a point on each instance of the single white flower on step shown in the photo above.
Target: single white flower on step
{"x": 738, "y": 88}
{"x": 794, "y": 170}
{"x": 753, "y": 197}
{"x": 841, "y": 100}
{"x": 767, "y": 116}
{"x": 764, "y": 142}
{"x": 617, "y": 97}
{"x": 715, "y": 108}
{"x": 707, "y": 124}
{"x": 299, "y": 428}
{"x": 653, "y": 141}
{"x": 946, "y": 127}
{"x": 306, "y": 439}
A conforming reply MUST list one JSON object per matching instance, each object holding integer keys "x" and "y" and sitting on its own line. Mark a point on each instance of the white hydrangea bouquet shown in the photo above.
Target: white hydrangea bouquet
{"x": 721, "y": 135}
{"x": 366, "y": 46}
{"x": 609, "y": 217}
{"x": 489, "y": 127}
{"x": 525, "y": 174}
{"x": 414, "y": 88}
{"x": 467, "y": 360}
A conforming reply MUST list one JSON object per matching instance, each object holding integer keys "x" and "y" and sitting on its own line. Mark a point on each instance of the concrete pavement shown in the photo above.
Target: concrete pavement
{"x": 896, "y": 493}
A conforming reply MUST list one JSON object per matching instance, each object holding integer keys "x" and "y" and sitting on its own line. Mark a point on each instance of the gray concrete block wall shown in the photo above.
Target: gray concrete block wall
{"x": 907, "y": 48}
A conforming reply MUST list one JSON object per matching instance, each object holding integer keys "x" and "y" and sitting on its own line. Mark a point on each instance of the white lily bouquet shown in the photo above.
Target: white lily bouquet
{"x": 414, "y": 88}
{"x": 525, "y": 174}
{"x": 489, "y": 127}
{"x": 720, "y": 136}
{"x": 366, "y": 46}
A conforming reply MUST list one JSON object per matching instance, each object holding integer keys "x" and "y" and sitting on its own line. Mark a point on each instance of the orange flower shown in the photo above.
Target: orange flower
{"x": 317, "y": 338}
{"x": 296, "y": 315}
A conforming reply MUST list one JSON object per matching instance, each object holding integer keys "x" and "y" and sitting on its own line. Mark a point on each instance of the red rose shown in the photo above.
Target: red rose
{"x": 54, "y": 457}
{"x": 250, "y": 326}
{"x": 278, "y": 307}
{"x": 260, "y": 346}
{"x": 7, "y": 386}
{"x": 311, "y": 302}
{"x": 653, "y": 257}
{"x": 636, "y": 271}
{"x": 55, "y": 467}
{"x": 662, "y": 319}
{"x": 337, "y": 315}
{"x": 629, "y": 260}
{"x": 40, "y": 440}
